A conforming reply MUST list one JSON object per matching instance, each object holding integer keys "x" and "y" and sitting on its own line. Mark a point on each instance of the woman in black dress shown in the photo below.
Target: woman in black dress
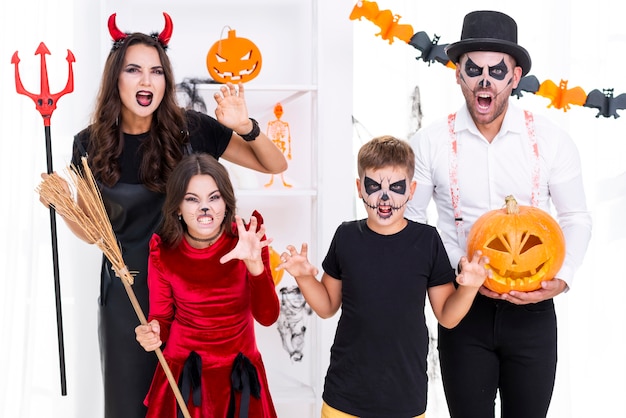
{"x": 137, "y": 134}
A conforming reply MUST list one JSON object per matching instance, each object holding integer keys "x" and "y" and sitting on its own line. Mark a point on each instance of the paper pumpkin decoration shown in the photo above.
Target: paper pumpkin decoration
{"x": 525, "y": 246}
{"x": 233, "y": 59}
{"x": 277, "y": 275}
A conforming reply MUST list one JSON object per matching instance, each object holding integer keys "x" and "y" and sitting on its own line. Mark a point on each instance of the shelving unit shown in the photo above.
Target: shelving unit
{"x": 294, "y": 385}
{"x": 307, "y": 67}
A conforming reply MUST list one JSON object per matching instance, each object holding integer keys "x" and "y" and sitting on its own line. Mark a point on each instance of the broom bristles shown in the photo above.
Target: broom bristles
{"x": 90, "y": 215}
{"x": 93, "y": 220}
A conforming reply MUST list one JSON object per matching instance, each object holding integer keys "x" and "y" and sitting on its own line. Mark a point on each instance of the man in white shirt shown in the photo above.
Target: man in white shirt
{"x": 468, "y": 163}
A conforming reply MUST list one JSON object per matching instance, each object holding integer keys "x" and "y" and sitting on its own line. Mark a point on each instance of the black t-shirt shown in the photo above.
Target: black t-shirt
{"x": 206, "y": 134}
{"x": 378, "y": 359}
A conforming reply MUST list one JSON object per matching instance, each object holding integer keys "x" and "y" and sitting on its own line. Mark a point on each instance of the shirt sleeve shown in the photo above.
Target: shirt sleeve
{"x": 416, "y": 209}
{"x": 206, "y": 134}
{"x": 566, "y": 190}
{"x": 575, "y": 221}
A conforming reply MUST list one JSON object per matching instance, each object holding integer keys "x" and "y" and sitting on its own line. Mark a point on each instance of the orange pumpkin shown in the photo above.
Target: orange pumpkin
{"x": 525, "y": 246}
{"x": 233, "y": 59}
{"x": 277, "y": 275}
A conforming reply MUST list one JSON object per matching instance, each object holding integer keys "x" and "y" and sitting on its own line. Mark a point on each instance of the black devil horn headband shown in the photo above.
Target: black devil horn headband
{"x": 118, "y": 36}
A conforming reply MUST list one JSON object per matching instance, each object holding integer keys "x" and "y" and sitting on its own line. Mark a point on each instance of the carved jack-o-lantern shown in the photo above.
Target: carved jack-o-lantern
{"x": 233, "y": 59}
{"x": 525, "y": 246}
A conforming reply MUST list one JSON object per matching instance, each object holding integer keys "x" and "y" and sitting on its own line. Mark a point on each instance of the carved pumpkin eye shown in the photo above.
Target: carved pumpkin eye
{"x": 531, "y": 241}
{"x": 525, "y": 246}
{"x": 498, "y": 244}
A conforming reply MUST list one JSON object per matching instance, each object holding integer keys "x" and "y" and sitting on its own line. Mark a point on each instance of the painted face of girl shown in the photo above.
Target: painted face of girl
{"x": 487, "y": 79}
{"x": 203, "y": 208}
{"x": 385, "y": 192}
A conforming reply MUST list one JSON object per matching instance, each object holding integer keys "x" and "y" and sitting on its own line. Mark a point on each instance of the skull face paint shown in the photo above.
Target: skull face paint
{"x": 486, "y": 75}
{"x": 486, "y": 80}
{"x": 385, "y": 195}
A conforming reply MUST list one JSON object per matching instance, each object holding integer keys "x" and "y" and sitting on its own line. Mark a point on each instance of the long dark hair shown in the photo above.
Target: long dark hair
{"x": 172, "y": 228}
{"x": 164, "y": 146}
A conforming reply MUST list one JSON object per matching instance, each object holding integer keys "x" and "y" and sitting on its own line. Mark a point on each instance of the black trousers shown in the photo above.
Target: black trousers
{"x": 501, "y": 347}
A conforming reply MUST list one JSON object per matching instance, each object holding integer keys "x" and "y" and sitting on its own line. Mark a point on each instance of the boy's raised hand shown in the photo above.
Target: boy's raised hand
{"x": 297, "y": 263}
{"x": 473, "y": 273}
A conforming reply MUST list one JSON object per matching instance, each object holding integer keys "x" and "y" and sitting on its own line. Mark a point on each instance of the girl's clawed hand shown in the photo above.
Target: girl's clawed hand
{"x": 250, "y": 242}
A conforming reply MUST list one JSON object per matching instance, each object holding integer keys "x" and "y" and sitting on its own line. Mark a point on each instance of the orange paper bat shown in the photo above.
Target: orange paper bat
{"x": 561, "y": 97}
{"x": 384, "y": 19}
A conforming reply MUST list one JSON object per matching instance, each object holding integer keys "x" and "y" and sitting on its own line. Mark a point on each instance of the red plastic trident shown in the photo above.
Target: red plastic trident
{"x": 46, "y": 103}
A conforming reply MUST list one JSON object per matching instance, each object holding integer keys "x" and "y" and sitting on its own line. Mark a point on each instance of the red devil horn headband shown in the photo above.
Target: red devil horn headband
{"x": 119, "y": 36}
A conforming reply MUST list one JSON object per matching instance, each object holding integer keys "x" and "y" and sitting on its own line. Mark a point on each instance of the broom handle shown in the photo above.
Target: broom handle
{"x": 159, "y": 353}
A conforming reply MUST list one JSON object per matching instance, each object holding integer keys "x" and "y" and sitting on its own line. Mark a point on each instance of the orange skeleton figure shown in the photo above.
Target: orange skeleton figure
{"x": 278, "y": 131}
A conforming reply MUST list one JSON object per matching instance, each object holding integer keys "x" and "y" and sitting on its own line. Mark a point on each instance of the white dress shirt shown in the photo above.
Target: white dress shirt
{"x": 488, "y": 172}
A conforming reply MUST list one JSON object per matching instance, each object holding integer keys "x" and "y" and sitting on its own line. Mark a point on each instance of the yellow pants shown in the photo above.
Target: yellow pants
{"x": 330, "y": 412}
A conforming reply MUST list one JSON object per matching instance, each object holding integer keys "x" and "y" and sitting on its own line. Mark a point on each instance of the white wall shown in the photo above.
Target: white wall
{"x": 579, "y": 42}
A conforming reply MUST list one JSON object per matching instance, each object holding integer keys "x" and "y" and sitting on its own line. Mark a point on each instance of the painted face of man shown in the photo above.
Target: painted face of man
{"x": 486, "y": 80}
{"x": 384, "y": 192}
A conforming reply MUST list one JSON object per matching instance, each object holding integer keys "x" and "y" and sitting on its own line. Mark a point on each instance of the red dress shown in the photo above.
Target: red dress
{"x": 208, "y": 308}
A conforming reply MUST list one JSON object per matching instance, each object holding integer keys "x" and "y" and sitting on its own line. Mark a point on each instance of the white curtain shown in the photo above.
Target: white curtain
{"x": 30, "y": 368}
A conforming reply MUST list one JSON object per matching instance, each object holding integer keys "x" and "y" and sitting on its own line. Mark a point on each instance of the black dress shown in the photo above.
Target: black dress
{"x": 135, "y": 214}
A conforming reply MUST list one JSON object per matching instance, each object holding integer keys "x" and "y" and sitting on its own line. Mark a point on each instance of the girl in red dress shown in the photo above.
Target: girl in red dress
{"x": 209, "y": 278}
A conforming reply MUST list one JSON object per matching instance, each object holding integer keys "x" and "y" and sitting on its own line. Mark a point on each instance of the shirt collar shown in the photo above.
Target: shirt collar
{"x": 513, "y": 122}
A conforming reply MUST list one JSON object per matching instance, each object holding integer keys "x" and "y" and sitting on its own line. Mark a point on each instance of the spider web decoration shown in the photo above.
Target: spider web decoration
{"x": 188, "y": 96}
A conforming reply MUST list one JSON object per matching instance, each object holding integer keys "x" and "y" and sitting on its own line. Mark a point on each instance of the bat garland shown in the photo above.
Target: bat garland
{"x": 431, "y": 51}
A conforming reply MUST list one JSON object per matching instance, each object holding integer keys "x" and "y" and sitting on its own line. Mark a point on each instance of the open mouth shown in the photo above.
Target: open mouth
{"x": 385, "y": 211}
{"x": 205, "y": 219}
{"x": 144, "y": 98}
{"x": 483, "y": 101}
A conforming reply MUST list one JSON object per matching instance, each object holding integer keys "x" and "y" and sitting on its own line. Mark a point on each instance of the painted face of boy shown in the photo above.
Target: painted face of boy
{"x": 385, "y": 192}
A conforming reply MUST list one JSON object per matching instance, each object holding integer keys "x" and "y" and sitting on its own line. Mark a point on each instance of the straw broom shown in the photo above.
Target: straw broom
{"x": 95, "y": 224}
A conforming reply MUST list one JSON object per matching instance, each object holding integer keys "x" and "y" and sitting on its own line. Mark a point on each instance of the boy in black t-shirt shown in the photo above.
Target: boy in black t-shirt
{"x": 379, "y": 270}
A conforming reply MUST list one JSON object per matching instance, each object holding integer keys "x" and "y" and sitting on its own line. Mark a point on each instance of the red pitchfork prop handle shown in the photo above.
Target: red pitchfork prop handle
{"x": 45, "y": 104}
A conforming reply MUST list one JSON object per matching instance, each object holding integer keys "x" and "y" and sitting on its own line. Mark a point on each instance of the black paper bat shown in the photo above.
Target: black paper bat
{"x": 528, "y": 83}
{"x": 431, "y": 51}
{"x": 606, "y": 104}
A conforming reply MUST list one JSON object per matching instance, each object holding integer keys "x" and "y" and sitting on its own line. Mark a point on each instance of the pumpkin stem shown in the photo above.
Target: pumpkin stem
{"x": 511, "y": 205}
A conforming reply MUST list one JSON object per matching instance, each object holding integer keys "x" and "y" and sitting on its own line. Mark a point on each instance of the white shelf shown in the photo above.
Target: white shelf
{"x": 262, "y": 87}
{"x": 275, "y": 192}
{"x": 262, "y": 97}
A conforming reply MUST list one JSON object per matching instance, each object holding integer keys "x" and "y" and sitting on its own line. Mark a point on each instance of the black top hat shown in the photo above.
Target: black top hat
{"x": 486, "y": 30}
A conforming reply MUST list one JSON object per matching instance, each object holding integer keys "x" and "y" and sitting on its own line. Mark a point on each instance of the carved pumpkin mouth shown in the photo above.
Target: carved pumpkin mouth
{"x": 243, "y": 73}
{"x": 513, "y": 274}
{"x": 519, "y": 280}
